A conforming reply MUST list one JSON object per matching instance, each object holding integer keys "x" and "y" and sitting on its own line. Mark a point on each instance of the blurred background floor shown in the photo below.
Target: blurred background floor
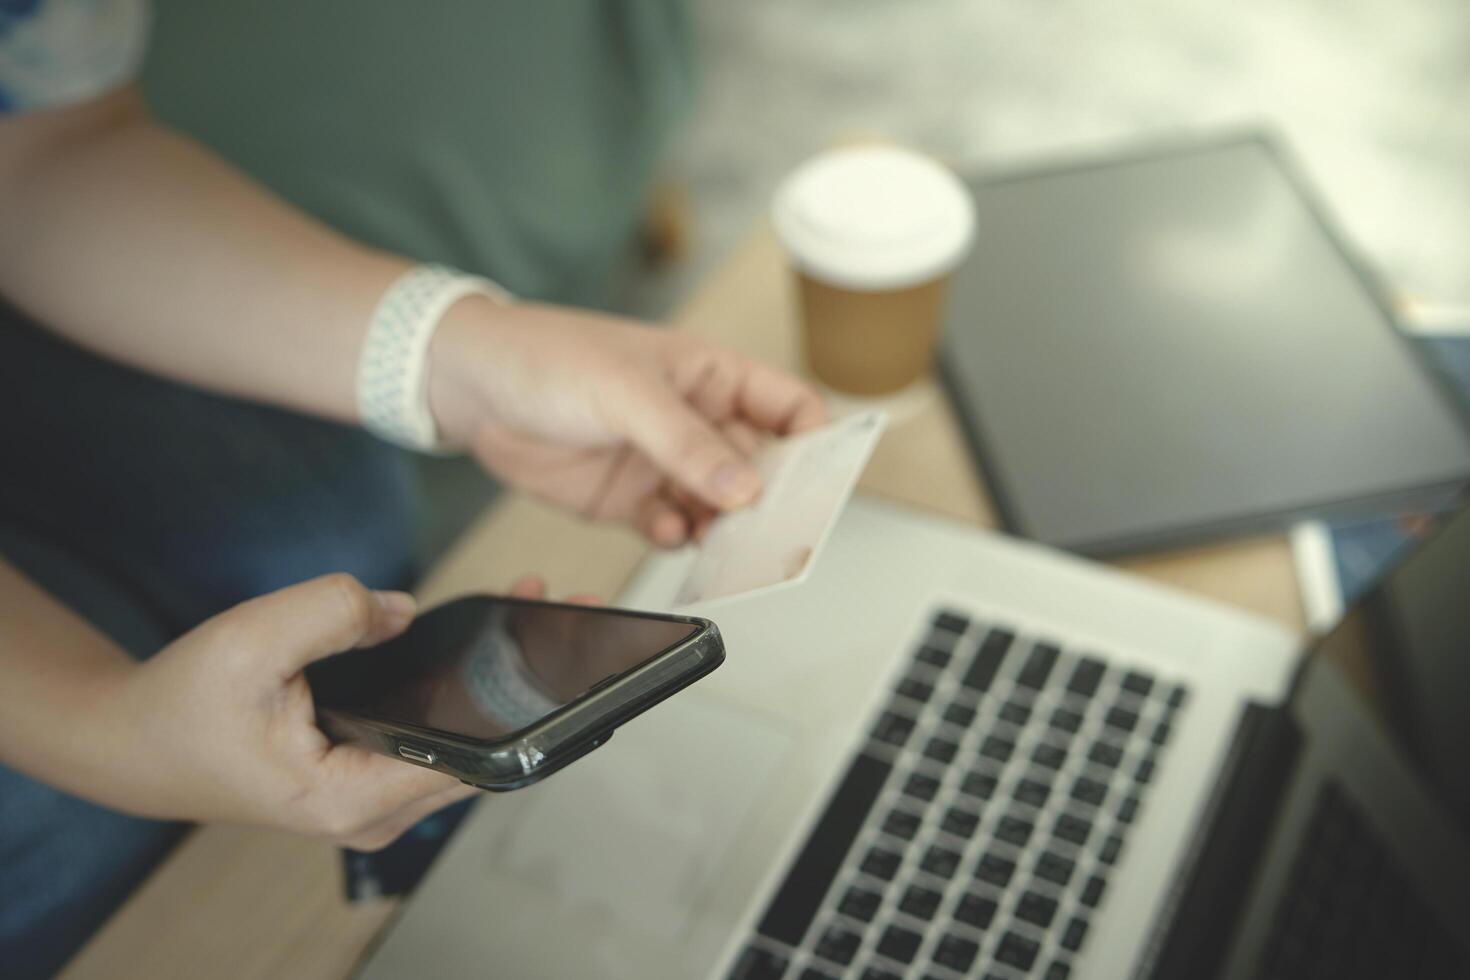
{"x": 1373, "y": 95}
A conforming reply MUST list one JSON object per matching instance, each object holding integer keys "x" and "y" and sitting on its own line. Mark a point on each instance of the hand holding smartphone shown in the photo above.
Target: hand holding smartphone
{"x": 501, "y": 692}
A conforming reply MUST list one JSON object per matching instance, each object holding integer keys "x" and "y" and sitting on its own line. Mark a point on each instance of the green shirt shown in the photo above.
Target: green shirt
{"x": 513, "y": 139}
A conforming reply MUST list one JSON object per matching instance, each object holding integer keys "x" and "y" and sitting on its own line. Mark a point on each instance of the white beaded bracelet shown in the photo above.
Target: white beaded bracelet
{"x": 392, "y": 372}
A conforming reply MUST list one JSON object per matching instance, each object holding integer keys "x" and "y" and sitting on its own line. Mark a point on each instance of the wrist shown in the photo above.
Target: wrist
{"x": 122, "y": 767}
{"x": 396, "y": 361}
{"x": 100, "y": 752}
{"x": 472, "y": 341}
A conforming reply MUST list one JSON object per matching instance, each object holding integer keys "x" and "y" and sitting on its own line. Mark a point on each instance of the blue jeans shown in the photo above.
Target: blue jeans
{"x": 147, "y": 507}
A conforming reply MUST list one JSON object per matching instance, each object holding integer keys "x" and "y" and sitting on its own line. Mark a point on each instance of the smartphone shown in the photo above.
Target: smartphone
{"x": 502, "y": 692}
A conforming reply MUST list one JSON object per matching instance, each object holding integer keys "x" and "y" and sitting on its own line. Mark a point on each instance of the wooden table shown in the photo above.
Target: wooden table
{"x": 242, "y": 902}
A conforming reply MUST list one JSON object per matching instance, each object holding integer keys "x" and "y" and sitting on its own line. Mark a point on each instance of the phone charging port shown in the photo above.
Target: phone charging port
{"x": 416, "y": 755}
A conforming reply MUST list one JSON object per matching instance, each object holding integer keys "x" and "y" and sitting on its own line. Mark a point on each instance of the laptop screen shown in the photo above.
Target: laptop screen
{"x": 1405, "y": 647}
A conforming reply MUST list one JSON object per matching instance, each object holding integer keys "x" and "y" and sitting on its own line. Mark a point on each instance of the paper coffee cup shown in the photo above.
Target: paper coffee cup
{"x": 873, "y": 233}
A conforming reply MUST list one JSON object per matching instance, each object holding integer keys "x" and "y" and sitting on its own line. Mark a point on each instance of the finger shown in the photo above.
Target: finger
{"x": 775, "y": 400}
{"x": 660, "y": 521}
{"x": 622, "y": 491}
{"x": 315, "y": 619}
{"x": 689, "y": 450}
{"x": 386, "y": 831}
{"x": 366, "y": 788}
{"x": 743, "y": 436}
{"x": 711, "y": 389}
{"x": 696, "y": 512}
{"x": 409, "y": 814}
{"x": 529, "y": 587}
{"x": 701, "y": 528}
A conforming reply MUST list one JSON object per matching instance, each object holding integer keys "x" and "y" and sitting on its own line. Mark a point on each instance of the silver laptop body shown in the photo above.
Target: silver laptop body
{"x": 996, "y": 740}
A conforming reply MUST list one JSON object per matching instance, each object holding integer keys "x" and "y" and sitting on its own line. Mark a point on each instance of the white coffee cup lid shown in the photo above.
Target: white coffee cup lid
{"x": 874, "y": 217}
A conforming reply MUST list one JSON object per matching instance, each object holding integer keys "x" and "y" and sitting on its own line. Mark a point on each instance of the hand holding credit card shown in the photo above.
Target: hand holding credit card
{"x": 774, "y": 542}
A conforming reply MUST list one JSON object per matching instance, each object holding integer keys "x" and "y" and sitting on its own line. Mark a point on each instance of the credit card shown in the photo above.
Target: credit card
{"x": 774, "y": 542}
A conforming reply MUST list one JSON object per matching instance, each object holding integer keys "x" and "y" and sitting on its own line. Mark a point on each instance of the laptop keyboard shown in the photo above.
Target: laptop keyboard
{"x": 1349, "y": 911}
{"x": 975, "y": 832}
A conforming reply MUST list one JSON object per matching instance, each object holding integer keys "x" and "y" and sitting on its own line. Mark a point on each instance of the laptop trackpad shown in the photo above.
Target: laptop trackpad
{"x": 636, "y": 833}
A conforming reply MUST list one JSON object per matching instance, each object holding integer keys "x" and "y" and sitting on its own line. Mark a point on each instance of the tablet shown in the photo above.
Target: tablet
{"x": 1153, "y": 350}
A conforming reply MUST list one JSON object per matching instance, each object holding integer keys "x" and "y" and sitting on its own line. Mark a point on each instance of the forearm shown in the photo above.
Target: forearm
{"x": 143, "y": 246}
{"x": 57, "y": 674}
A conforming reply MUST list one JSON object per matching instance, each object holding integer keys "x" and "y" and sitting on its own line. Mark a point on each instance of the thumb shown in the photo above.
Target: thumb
{"x": 304, "y": 623}
{"x": 692, "y": 452}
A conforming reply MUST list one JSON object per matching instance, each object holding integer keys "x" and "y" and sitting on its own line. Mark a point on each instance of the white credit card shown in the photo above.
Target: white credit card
{"x": 773, "y": 543}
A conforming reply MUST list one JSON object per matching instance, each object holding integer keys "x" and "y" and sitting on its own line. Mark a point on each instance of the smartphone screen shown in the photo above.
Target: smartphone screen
{"x": 482, "y": 667}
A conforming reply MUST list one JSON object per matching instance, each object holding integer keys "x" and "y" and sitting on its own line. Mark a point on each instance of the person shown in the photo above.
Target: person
{"x": 183, "y": 357}
{"x": 511, "y": 139}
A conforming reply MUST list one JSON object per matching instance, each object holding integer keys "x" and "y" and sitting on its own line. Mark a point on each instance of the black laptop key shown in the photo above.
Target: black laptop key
{"x": 1121, "y": 718}
{"x": 960, "y": 822}
{"x": 921, "y": 902}
{"x": 860, "y": 903}
{"x": 1032, "y": 792}
{"x": 1072, "y": 828}
{"x": 1145, "y": 771}
{"x": 1092, "y": 892}
{"x": 900, "y": 944}
{"x": 997, "y": 748}
{"x": 1036, "y": 909}
{"x": 1015, "y": 712}
{"x": 1014, "y": 830}
{"x": 882, "y": 863}
{"x": 790, "y": 913}
{"x": 1161, "y": 733}
{"x": 1128, "y": 810}
{"x": 902, "y": 824}
{"x": 976, "y": 910}
{"x": 952, "y": 621}
{"x": 1137, "y": 683}
{"x": 921, "y": 787}
{"x": 1089, "y": 790}
{"x": 880, "y": 973}
{"x": 934, "y": 656}
{"x": 812, "y": 973}
{"x": 1055, "y": 868}
{"x": 941, "y": 639}
{"x": 941, "y": 750}
{"x": 956, "y": 952}
{"x": 940, "y": 861}
{"x": 1057, "y": 970}
{"x": 960, "y": 714}
{"x": 980, "y": 785}
{"x": 1086, "y": 676}
{"x": 1017, "y": 951}
{"x": 893, "y": 728}
{"x": 987, "y": 660}
{"x": 995, "y": 869}
{"x": 1073, "y": 935}
{"x": 1051, "y": 756}
{"x": 839, "y": 945}
{"x": 916, "y": 688}
{"x": 758, "y": 964}
{"x": 1108, "y": 854}
{"x": 1038, "y": 665}
{"x": 1066, "y": 720}
{"x": 1177, "y": 696}
{"x": 1105, "y": 754}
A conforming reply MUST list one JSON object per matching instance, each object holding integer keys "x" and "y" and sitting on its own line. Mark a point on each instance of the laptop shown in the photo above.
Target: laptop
{"x": 952, "y": 754}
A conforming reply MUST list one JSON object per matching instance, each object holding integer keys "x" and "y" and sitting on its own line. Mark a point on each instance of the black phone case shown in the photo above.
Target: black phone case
{"x": 560, "y": 738}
